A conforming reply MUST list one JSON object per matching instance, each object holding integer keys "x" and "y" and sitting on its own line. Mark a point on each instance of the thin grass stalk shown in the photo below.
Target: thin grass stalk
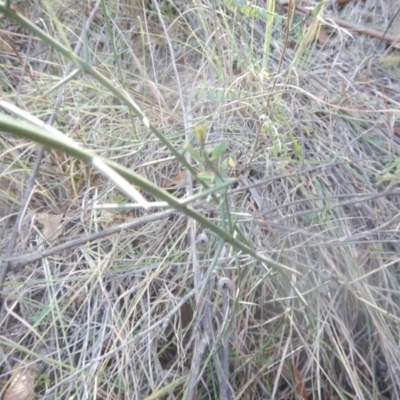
{"x": 268, "y": 34}
{"x": 111, "y": 38}
{"x": 224, "y": 286}
{"x": 85, "y": 67}
{"x": 194, "y": 375}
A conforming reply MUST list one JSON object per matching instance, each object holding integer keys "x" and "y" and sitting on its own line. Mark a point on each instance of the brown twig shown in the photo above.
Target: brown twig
{"x": 395, "y": 40}
{"x": 18, "y": 262}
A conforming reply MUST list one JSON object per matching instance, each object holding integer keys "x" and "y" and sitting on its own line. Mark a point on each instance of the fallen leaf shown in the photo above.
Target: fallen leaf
{"x": 21, "y": 386}
{"x": 178, "y": 179}
{"x": 186, "y": 314}
{"x": 323, "y": 36}
{"x": 298, "y": 380}
{"x": 51, "y": 225}
{"x": 341, "y": 3}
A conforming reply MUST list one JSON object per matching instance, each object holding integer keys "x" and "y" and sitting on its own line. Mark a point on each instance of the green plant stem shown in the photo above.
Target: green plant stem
{"x": 36, "y": 134}
{"x": 89, "y": 69}
{"x": 39, "y": 135}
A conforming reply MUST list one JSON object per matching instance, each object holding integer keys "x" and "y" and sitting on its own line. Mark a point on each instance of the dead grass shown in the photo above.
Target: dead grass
{"x": 314, "y": 144}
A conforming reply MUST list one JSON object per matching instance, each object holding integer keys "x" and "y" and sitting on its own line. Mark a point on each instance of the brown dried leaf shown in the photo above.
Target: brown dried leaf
{"x": 341, "y": 3}
{"x": 186, "y": 314}
{"x": 178, "y": 179}
{"x": 21, "y": 386}
{"x": 51, "y": 225}
{"x": 323, "y": 36}
{"x": 299, "y": 382}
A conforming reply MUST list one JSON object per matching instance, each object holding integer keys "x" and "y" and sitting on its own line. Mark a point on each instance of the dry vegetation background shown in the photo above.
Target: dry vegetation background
{"x": 310, "y": 117}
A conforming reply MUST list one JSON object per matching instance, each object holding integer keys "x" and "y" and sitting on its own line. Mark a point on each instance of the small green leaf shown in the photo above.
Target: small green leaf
{"x": 206, "y": 176}
{"x": 219, "y": 149}
{"x": 317, "y": 9}
{"x": 278, "y": 19}
{"x": 232, "y": 96}
{"x": 194, "y": 153}
{"x": 220, "y": 96}
{"x": 201, "y": 93}
{"x": 211, "y": 94}
{"x": 228, "y": 162}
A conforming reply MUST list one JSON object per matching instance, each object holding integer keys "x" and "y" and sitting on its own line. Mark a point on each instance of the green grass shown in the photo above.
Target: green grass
{"x": 290, "y": 198}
